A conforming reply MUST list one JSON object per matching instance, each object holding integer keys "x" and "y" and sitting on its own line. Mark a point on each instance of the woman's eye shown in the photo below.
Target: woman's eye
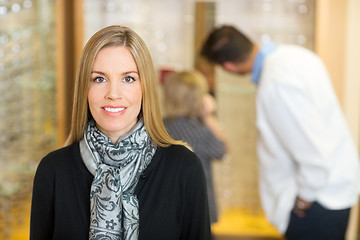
{"x": 99, "y": 79}
{"x": 129, "y": 79}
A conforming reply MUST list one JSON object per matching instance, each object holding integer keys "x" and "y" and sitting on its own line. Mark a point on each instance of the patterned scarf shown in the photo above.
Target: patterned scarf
{"x": 114, "y": 208}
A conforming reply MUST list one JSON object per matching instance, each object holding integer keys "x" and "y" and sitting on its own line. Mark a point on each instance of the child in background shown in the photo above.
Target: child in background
{"x": 189, "y": 116}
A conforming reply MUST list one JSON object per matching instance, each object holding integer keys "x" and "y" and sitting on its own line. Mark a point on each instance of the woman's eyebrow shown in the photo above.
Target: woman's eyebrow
{"x": 124, "y": 73}
{"x": 98, "y": 72}
{"x": 129, "y": 72}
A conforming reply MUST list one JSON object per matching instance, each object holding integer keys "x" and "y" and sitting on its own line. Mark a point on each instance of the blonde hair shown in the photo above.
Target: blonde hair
{"x": 150, "y": 109}
{"x": 183, "y": 94}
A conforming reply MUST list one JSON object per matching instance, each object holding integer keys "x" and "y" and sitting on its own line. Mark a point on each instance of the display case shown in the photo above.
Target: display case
{"x": 27, "y": 97}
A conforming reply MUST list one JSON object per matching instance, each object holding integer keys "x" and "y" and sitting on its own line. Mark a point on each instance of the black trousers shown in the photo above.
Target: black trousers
{"x": 319, "y": 223}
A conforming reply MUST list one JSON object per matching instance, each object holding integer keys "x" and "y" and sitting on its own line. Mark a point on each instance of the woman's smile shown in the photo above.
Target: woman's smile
{"x": 113, "y": 109}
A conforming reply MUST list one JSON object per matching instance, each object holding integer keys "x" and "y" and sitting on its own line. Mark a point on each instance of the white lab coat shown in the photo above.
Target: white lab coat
{"x": 305, "y": 148}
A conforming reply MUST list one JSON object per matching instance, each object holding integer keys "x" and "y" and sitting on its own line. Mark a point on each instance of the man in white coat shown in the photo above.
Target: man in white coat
{"x": 308, "y": 163}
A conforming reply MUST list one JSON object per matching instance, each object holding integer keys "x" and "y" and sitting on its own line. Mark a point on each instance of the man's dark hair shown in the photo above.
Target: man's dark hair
{"x": 226, "y": 43}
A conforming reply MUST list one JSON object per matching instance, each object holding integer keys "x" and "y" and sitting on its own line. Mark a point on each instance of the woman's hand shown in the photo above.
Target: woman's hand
{"x": 209, "y": 118}
{"x": 208, "y": 105}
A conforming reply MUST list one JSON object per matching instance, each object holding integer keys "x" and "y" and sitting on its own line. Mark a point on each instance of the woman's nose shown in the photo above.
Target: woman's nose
{"x": 113, "y": 90}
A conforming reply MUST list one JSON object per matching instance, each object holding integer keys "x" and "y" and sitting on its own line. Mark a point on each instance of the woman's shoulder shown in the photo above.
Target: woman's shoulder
{"x": 60, "y": 157}
{"x": 179, "y": 155}
{"x": 181, "y": 163}
{"x": 178, "y": 150}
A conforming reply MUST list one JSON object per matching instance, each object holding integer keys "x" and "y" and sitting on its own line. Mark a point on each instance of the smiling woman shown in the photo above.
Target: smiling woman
{"x": 115, "y": 92}
{"x": 121, "y": 176}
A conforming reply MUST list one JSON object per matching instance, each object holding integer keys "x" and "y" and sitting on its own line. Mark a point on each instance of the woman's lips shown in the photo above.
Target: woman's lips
{"x": 113, "y": 109}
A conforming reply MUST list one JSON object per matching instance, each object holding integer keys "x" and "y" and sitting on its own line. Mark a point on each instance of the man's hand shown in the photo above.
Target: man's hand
{"x": 301, "y": 206}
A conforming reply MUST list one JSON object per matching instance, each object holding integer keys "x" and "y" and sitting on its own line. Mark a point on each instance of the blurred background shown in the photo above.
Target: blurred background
{"x": 40, "y": 45}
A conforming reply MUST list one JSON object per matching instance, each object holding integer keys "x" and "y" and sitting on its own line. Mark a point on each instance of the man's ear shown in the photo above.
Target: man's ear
{"x": 229, "y": 66}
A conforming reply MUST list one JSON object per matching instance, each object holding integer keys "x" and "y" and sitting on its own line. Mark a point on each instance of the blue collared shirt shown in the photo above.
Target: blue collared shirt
{"x": 265, "y": 49}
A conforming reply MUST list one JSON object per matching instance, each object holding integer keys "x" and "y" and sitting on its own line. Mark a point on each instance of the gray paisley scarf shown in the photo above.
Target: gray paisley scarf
{"x": 114, "y": 208}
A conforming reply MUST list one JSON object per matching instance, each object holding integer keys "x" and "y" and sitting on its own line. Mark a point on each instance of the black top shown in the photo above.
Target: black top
{"x": 171, "y": 193}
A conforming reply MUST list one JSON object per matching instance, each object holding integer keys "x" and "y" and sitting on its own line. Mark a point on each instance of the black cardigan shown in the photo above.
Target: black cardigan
{"x": 171, "y": 193}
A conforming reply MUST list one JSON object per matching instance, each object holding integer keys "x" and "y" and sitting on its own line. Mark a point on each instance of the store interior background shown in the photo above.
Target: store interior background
{"x": 40, "y": 44}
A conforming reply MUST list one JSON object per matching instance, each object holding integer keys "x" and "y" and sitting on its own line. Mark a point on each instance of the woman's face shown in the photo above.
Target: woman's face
{"x": 115, "y": 95}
